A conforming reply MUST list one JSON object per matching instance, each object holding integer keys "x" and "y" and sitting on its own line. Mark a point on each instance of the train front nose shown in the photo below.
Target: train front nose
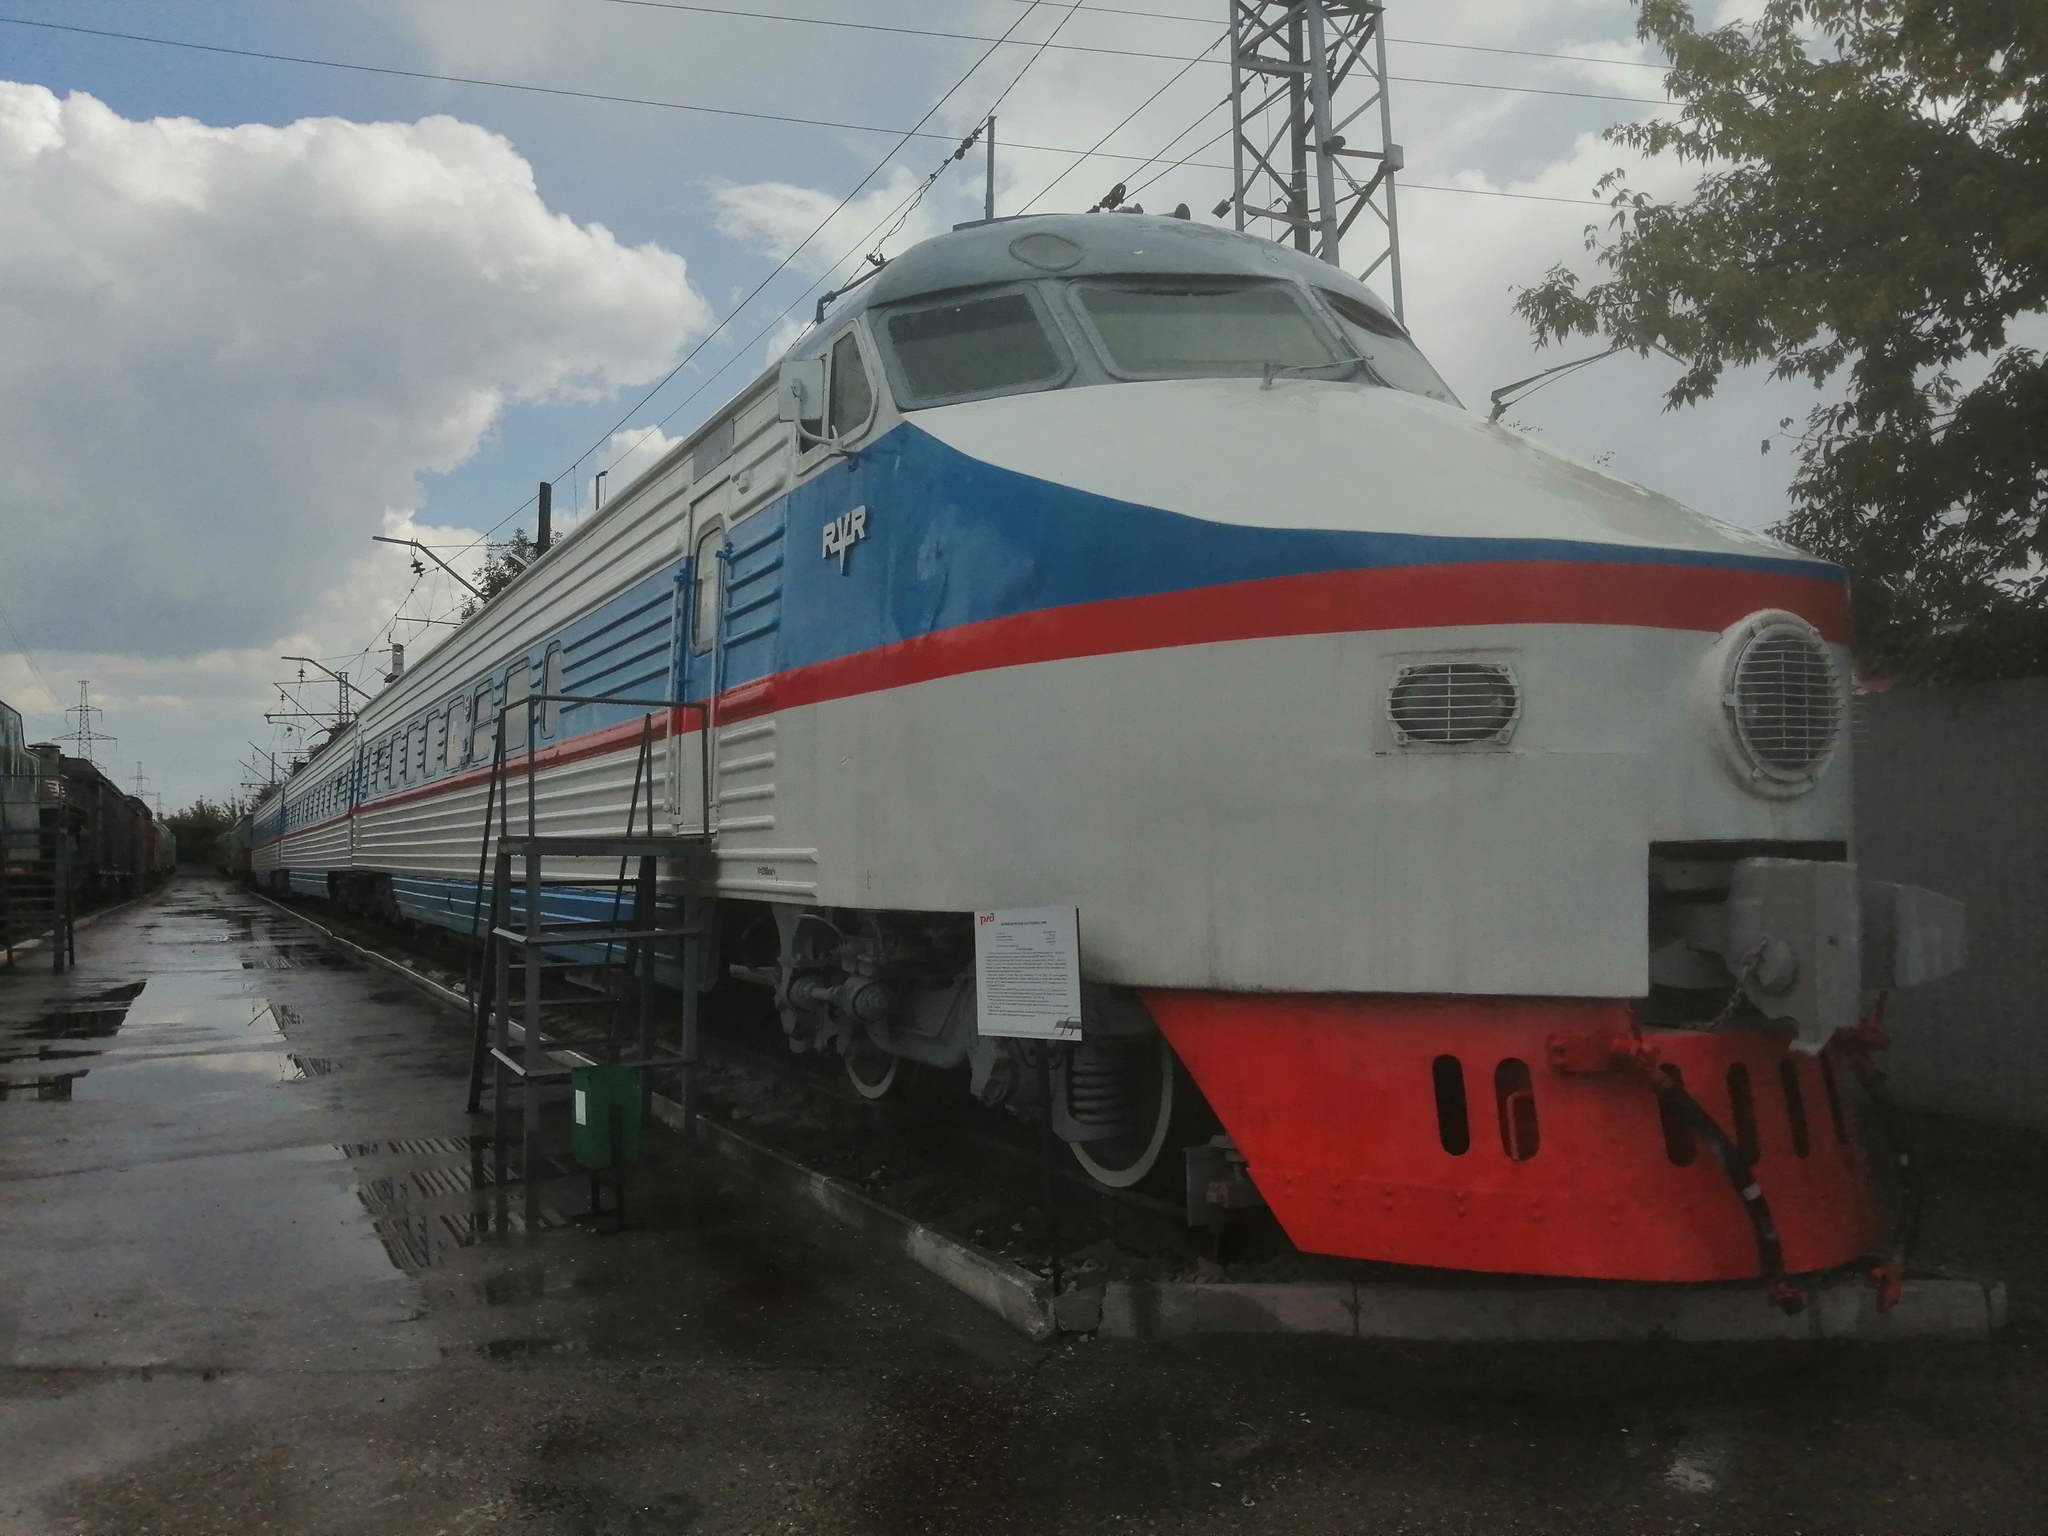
{"x": 1513, "y": 1136}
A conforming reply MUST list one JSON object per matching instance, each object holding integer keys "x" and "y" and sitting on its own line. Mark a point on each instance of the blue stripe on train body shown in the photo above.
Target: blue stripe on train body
{"x": 951, "y": 540}
{"x": 454, "y": 905}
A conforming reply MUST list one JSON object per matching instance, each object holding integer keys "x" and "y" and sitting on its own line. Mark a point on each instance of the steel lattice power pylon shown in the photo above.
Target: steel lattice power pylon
{"x": 1313, "y": 134}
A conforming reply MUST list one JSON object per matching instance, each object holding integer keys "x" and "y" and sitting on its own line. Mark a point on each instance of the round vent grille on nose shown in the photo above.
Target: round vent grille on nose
{"x": 1787, "y": 701}
{"x": 1453, "y": 703}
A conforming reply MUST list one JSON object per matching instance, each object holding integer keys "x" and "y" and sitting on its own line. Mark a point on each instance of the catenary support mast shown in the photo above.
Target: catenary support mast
{"x": 1312, "y": 149}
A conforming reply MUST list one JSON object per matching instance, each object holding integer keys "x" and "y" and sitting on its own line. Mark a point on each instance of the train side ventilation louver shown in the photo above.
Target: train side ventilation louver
{"x": 1787, "y": 701}
{"x": 1453, "y": 703}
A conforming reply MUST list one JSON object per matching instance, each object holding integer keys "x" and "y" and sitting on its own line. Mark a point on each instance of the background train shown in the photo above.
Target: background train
{"x": 1463, "y": 831}
{"x": 114, "y": 844}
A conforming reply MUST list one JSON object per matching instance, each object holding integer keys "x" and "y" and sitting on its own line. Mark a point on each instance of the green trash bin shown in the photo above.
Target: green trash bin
{"x": 605, "y": 1108}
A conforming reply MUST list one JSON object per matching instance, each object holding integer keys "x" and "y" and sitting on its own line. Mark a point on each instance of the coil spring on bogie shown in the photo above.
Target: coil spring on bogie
{"x": 1099, "y": 1083}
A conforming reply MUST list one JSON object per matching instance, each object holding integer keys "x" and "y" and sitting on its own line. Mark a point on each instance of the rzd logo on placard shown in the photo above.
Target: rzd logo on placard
{"x": 843, "y": 532}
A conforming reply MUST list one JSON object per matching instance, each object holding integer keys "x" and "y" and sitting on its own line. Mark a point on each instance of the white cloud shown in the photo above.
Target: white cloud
{"x": 625, "y": 456}
{"x": 776, "y": 217}
{"x": 227, "y": 354}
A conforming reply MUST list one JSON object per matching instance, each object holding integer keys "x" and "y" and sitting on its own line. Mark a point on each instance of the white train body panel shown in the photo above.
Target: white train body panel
{"x": 1129, "y": 647}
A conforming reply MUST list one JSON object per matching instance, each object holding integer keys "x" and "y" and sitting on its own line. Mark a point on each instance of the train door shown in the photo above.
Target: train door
{"x": 698, "y": 588}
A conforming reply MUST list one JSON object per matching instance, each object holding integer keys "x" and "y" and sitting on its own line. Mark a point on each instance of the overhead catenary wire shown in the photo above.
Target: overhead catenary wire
{"x": 1168, "y": 170}
{"x": 1206, "y": 113}
{"x": 1412, "y": 42}
{"x": 742, "y": 13}
{"x": 910, "y": 206}
{"x": 1087, "y": 154}
{"x": 734, "y": 312}
{"x": 899, "y": 214}
{"x": 904, "y": 136}
{"x": 760, "y": 334}
{"x": 21, "y": 648}
{"x": 698, "y": 107}
{"x": 774, "y": 272}
{"x": 763, "y": 331}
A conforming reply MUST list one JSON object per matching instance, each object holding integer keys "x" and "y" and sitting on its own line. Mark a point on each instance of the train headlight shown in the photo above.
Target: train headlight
{"x": 1781, "y": 699}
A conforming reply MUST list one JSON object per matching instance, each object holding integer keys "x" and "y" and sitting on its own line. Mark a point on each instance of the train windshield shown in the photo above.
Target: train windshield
{"x": 1379, "y": 339}
{"x": 1179, "y": 329}
{"x": 968, "y": 348}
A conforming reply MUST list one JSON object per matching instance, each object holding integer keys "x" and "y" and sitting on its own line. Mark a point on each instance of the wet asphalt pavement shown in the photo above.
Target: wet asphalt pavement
{"x": 244, "y": 1288}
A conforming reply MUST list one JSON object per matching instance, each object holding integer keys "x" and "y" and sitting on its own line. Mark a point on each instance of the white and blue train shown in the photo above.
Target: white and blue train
{"x": 1393, "y": 761}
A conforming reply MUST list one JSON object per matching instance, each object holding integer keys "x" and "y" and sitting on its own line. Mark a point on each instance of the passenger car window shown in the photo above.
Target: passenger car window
{"x": 1168, "y": 329}
{"x": 481, "y": 742}
{"x": 518, "y": 684}
{"x": 710, "y": 575}
{"x": 1380, "y": 340}
{"x": 971, "y": 347}
{"x": 853, "y": 398}
{"x": 551, "y": 682}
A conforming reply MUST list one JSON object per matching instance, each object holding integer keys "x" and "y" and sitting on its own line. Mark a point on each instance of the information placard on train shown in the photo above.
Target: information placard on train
{"x": 1027, "y": 972}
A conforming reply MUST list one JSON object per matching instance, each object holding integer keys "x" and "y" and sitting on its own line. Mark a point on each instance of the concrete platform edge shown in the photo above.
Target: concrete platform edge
{"x": 448, "y": 997}
{"x": 1013, "y": 1294}
{"x": 1931, "y": 1307}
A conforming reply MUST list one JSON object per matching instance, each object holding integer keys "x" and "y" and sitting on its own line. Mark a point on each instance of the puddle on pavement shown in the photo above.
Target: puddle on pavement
{"x": 419, "y": 1240}
{"x": 174, "y": 1036}
{"x": 187, "y": 1077}
{"x": 83, "y": 1018}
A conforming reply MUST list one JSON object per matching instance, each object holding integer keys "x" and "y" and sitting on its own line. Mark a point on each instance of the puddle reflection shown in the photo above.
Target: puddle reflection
{"x": 162, "y": 1040}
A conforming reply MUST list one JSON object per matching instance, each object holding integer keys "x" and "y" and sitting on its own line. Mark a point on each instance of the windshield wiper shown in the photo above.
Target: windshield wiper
{"x": 1268, "y": 372}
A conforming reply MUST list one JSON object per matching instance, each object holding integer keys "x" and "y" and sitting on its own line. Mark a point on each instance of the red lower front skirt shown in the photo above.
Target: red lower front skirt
{"x": 1434, "y": 1131}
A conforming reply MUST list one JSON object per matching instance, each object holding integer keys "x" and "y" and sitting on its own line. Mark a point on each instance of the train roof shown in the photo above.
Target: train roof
{"x": 1087, "y": 245}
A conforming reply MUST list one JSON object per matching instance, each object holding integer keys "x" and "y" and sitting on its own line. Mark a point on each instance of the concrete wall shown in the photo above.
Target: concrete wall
{"x": 1952, "y": 794}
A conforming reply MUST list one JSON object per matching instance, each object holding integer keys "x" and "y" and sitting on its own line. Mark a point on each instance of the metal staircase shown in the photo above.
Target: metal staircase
{"x": 557, "y": 991}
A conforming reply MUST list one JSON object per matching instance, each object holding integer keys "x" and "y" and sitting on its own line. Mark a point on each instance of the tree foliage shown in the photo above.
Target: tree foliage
{"x": 501, "y": 566}
{"x": 1872, "y": 217}
{"x": 200, "y": 825}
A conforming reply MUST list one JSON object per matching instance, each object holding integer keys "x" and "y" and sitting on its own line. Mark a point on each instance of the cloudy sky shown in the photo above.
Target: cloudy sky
{"x": 254, "y": 311}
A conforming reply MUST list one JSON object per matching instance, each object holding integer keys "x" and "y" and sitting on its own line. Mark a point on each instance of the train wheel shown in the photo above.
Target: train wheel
{"x": 871, "y": 1070}
{"x": 1167, "y": 1102}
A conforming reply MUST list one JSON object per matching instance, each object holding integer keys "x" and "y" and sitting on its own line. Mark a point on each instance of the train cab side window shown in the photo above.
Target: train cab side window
{"x": 551, "y": 684}
{"x": 518, "y": 685}
{"x": 970, "y": 348}
{"x": 482, "y": 742}
{"x": 852, "y": 397}
{"x": 710, "y": 578}
{"x": 1380, "y": 340}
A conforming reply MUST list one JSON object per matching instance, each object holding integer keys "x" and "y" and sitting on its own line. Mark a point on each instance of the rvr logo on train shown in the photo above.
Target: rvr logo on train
{"x": 843, "y": 532}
